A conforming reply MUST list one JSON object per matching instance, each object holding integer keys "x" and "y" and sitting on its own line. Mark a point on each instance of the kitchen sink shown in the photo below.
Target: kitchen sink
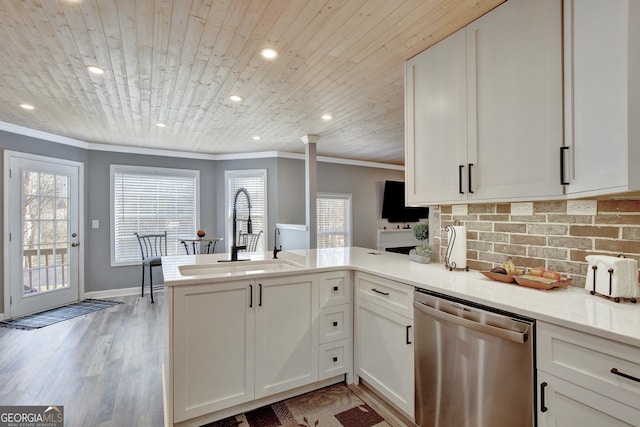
{"x": 238, "y": 267}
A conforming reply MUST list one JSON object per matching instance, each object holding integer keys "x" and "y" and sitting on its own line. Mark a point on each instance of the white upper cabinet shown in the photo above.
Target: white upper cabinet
{"x": 484, "y": 109}
{"x": 436, "y": 122}
{"x": 602, "y": 95}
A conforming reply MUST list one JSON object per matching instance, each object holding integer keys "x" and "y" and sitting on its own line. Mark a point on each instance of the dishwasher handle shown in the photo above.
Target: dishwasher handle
{"x": 518, "y": 337}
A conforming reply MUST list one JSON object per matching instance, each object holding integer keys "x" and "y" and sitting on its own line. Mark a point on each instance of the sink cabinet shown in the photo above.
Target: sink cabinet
{"x": 575, "y": 382}
{"x": 240, "y": 341}
{"x": 484, "y": 109}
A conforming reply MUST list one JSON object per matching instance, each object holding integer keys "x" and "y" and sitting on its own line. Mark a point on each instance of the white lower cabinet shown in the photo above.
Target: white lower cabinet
{"x": 240, "y": 341}
{"x": 584, "y": 380}
{"x": 384, "y": 339}
{"x": 213, "y": 342}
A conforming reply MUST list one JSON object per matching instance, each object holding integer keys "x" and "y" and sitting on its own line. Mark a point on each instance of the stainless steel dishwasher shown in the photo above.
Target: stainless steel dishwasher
{"x": 474, "y": 366}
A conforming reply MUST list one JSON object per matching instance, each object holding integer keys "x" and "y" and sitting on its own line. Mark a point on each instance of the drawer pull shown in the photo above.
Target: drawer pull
{"x": 335, "y": 289}
{"x": 627, "y": 376}
{"x": 380, "y": 292}
{"x": 335, "y": 324}
{"x": 543, "y": 406}
{"x": 335, "y": 359}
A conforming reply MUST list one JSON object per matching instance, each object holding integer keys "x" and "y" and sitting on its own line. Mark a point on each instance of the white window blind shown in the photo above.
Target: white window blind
{"x": 255, "y": 182}
{"x": 334, "y": 220}
{"x": 151, "y": 200}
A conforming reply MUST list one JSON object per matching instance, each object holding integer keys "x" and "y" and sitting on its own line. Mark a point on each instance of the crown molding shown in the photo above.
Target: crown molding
{"x": 50, "y": 137}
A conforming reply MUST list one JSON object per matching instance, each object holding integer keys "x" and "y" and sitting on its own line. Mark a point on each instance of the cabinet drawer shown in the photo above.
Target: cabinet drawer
{"x": 335, "y": 359}
{"x": 394, "y": 296}
{"x": 335, "y": 323}
{"x": 335, "y": 288}
{"x": 592, "y": 362}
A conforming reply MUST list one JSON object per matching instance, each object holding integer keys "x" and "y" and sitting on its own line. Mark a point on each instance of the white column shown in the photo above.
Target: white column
{"x": 311, "y": 188}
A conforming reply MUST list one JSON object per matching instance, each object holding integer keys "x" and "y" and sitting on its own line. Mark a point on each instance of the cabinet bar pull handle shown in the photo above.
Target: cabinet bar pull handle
{"x": 627, "y": 376}
{"x": 562, "y": 166}
{"x": 380, "y": 292}
{"x": 470, "y": 190}
{"x": 460, "y": 167}
{"x": 335, "y": 288}
{"x": 335, "y": 359}
{"x": 250, "y": 296}
{"x": 408, "y": 328}
{"x": 543, "y": 406}
{"x": 335, "y": 323}
{"x": 260, "y": 297}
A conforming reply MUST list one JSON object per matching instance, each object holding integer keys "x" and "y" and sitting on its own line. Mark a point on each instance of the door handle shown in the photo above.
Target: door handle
{"x": 408, "y": 339}
{"x": 460, "y": 167}
{"x": 260, "y": 296}
{"x": 75, "y": 244}
{"x": 250, "y": 296}
{"x": 470, "y": 190}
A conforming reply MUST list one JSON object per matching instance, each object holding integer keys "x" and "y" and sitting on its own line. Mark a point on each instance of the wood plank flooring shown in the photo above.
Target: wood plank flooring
{"x": 104, "y": 367}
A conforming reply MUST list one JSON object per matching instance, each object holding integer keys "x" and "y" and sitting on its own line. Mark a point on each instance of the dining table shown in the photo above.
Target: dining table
{"x": 200, "y": 245}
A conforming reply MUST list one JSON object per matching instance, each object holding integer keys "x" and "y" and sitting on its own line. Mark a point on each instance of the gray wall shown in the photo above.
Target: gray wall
{"x": 366, "y": 186}
{"x": 99, "y": 275}
{"x": 285, "y": 187}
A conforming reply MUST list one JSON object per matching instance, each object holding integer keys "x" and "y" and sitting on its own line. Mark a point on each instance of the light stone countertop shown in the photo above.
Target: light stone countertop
{"x": 570, "y": 307}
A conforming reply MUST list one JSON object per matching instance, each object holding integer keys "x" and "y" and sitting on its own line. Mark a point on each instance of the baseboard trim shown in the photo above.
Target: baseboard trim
{"x": 121, "y": 292}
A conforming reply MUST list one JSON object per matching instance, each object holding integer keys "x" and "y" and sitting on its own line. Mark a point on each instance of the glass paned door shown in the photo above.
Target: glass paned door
{"x": 43, "y": 218}
{"x": 45, "y": 238}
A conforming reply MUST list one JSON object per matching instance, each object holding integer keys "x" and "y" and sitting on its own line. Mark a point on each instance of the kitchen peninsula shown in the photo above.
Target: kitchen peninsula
{"x": 233, "y": 304}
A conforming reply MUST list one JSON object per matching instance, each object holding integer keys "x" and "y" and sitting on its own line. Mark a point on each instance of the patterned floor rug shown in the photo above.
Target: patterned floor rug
{"x": 55, "y": 315}
{"x": 334, "y": 406}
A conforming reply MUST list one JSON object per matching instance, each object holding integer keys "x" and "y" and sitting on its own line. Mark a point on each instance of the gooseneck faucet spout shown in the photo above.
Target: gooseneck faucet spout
{"x": 276, "y": 233}
{"x": 234, "y": 244}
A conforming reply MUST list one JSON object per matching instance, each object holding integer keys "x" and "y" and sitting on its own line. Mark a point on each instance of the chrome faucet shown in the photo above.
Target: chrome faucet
{"x": 276, "y": 233}
{"x": 234, "y": 244}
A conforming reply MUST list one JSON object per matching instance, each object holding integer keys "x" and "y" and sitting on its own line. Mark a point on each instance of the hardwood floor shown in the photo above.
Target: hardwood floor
{"x": 104, "y": 368}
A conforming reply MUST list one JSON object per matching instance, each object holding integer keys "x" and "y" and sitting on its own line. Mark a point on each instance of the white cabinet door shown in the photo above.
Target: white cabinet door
{"x": 436, "y": 123}
{"x": 566, "y": 404}
{"x": 286, "y": 350}
{"x": 601, "y": 93}
{"x": 384, "y": 353}
{"x": 213, "y": 336}
{"x": 514, "y": 93}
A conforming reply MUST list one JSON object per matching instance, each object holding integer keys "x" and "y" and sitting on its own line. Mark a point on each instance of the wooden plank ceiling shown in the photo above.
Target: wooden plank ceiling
{"x": 177, "y": 62}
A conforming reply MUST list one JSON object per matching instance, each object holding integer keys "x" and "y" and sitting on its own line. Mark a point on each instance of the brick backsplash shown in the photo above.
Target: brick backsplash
{"x": 549, "y": 238}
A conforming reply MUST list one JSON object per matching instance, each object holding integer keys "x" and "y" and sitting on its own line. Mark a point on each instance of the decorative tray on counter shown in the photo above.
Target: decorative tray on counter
{"x": 499, "y": 277}
{"x": 535, "y": 282}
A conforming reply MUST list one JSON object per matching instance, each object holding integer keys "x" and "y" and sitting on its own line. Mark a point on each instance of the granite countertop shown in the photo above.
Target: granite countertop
{"x": 570, "y": 307}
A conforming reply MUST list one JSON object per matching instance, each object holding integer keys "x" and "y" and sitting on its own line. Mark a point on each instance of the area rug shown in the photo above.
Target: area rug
{"x": 55, "y": 315}
{"x": 334, "y": 406}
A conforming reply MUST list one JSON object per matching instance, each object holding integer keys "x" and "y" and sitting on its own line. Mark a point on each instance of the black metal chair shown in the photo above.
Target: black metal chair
{"x": 250, "y": 240}
{"x": 152, "y": 248}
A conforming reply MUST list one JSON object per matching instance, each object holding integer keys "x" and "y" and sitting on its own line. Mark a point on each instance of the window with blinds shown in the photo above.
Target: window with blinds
{"x": 334, "y": 220}
{"x": 151, "y": 200}
{"x": 255, "y": 182}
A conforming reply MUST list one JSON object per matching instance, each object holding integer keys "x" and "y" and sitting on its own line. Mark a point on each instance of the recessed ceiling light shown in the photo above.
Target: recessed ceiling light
{"x": 327, "y": 117}
{"x": 235, "y": 98}
{"x": 95, "y": 70}
{"x": 27, "y": 106}
{"x": 256, "y": 138}
{"x": 269, "y": 53}
{"x": 161, "y": 125}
